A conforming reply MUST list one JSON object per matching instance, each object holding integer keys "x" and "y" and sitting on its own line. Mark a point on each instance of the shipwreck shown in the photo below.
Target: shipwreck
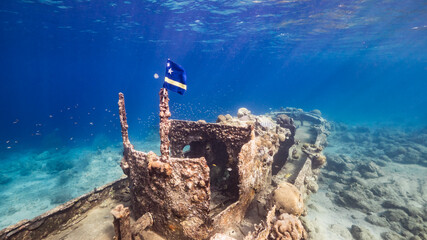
{"x": 243, "y": 177}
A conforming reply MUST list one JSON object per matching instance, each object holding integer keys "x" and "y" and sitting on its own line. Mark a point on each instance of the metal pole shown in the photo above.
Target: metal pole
{"x": 165, "y": 125}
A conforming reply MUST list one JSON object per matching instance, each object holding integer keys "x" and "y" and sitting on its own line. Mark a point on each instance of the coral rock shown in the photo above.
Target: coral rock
{"x": 221, "y": 118}
{"x": 288, "y": 227}
{"x": 243, "y": 112}
{"x": 361, "y": 233}
{"x": 220, "y": 236}
{"x": 288, "y": 199}
{"x": 284, "y": 120}
{"x": 317, "y": 112}
{"x": 319, "y": 160}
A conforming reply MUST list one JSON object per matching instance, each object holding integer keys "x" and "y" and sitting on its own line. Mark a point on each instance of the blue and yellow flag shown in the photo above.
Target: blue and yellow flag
{"x": 175, "y": 78}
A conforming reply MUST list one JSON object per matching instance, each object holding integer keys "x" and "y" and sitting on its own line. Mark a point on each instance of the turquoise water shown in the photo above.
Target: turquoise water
{"x": 63, "y": 62}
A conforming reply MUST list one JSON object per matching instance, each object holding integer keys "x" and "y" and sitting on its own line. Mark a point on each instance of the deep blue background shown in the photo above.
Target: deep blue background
{"x": 362, "y": 62}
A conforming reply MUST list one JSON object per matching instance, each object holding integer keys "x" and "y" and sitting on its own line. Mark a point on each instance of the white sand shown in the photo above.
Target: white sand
{"x": 331, "y": 221}
{"x": 36, "y": 188}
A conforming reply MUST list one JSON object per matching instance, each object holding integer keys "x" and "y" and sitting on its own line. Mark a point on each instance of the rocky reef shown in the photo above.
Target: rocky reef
{"x": 377, "y": 177}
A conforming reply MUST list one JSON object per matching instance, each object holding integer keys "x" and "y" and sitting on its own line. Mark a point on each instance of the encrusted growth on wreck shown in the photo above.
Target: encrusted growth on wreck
{"x": 165, "y": 125}
{"x": 220, "y": 145}
{"x": 175, "y": 191}
{"x": 295, "y": 177}
{"x": 207, "y": 188}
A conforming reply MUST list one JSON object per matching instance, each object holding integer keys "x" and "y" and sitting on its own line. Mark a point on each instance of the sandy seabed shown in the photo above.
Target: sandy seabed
{"x": 374, "y": 186}
{"x": 34, "y": 182}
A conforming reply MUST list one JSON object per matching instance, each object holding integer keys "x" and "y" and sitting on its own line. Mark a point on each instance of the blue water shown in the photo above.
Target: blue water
{"x": 63, "y": 62}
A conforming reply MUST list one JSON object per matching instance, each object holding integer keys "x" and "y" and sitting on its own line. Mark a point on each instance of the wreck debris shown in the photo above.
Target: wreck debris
{"x": 65, "y": 215}
{"x": 263, "y": 231}
{"x": 123, "y": 119}
{"x": 142, "y": 223}
{"x": 121, "y": 222}
{"x": 314, "y": 152}
{"x": 124, "y": 228}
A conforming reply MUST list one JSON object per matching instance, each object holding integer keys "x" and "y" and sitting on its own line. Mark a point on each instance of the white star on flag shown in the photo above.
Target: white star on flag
{"x": 170, "y": 71}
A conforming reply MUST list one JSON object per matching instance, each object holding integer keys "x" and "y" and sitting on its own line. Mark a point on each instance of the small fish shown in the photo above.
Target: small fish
{"x": 9, "y": 147}
{"x": 71, "y": 139}
{"x": 91, "y": 123}
{"x": 288, "y": 175}
{"x": 51, "y": 116}
{"x": 7, "y": 141}
{"x": 214, "y": 165}
{"x": 229, "y": 169}
{"x": 16, "y": 121}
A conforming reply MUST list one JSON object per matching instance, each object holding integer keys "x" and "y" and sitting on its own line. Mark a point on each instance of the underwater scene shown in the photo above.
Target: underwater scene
{"x": 320, "y": 112}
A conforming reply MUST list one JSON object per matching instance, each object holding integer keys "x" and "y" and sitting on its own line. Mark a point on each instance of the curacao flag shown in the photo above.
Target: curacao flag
{"x": 175, "y": 78}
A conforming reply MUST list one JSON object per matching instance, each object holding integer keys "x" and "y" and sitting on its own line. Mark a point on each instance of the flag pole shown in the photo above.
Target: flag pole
{"x": 165, "y": 125}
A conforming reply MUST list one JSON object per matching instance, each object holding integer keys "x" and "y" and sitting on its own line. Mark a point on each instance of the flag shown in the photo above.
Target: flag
{"x": 175, "y": 78}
